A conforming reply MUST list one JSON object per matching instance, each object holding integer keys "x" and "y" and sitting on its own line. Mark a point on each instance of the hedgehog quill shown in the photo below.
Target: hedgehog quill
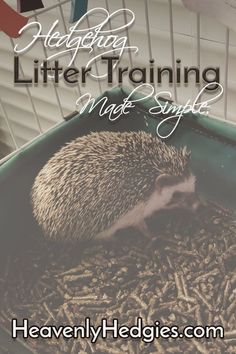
{"x": 103, "y": 182}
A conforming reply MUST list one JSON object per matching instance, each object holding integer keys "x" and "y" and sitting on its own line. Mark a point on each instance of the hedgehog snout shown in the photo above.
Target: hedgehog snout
{"x": 189, "y": 201}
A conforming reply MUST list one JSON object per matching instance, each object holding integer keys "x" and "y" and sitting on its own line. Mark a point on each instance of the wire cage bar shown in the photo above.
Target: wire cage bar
{"x": 172, "y": 45}
{"x": 226, "y": 80}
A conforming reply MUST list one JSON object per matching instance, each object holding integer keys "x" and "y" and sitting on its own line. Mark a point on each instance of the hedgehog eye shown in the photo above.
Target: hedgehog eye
{"x": 176, "y": 197}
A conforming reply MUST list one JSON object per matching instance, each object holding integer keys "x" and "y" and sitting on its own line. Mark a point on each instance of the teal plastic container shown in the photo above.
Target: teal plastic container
{"x": 213, "y": 160}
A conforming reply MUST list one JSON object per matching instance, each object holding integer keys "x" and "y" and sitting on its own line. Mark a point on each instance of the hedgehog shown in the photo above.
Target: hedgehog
{"x": 105, "y": 181}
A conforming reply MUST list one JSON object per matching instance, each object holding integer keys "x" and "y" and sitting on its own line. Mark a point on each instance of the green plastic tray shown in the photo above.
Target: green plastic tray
{"x": 212, "y": 143}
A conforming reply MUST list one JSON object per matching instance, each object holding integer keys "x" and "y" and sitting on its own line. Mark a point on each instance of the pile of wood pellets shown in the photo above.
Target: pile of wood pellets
{"x": 186, "y": 275}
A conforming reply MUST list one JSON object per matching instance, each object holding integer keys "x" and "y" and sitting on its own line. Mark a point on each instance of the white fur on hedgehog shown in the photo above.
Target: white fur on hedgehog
{"x": 101, "y": 182}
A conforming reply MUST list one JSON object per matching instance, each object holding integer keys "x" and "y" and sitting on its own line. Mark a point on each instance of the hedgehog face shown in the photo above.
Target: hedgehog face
{"x": 173, "y": 192}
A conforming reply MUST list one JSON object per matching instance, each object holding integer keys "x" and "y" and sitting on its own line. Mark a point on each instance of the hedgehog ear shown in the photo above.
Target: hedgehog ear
{"x": 185, "y": 152}
{"x": 161, "y": 181}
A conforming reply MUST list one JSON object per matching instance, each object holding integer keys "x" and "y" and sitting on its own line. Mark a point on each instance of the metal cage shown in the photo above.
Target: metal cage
{"x": 196, "y": 37}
